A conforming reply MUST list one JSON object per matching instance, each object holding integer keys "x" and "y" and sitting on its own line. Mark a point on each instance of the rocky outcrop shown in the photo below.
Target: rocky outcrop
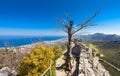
{"x": 91, "y": 67}
{"x": 5, "y": 71}
{"x": 84, "y": 62}
{"x": 87, "y": 63}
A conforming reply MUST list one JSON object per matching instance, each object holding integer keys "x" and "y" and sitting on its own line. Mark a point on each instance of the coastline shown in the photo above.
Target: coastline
{"x": 28, "y": 47}
{"x": 13, "y": 42}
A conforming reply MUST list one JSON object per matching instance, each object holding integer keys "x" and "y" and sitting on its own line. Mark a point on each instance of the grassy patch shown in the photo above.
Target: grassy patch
{"x": 95, "y": 48}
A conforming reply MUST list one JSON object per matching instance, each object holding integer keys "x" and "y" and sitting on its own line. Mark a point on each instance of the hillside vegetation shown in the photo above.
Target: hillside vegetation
{"x": 111, "y": 52}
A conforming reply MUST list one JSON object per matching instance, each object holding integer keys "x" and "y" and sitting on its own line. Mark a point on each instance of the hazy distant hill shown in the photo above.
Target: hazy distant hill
{"x": 100, "y": 37}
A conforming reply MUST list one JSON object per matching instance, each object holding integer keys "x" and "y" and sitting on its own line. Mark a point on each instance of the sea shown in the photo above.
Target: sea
{"x": 15, "y": 41}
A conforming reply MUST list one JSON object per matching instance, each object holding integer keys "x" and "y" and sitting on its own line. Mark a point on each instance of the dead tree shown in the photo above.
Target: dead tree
{"x": 71, "y": 29}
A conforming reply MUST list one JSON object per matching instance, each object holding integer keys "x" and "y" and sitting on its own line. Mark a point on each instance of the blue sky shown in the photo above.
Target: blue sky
{"x": 39, "y": 17}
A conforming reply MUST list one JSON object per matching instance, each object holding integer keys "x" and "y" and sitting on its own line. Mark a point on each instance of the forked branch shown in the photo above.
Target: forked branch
{"x": 86, "y": 23}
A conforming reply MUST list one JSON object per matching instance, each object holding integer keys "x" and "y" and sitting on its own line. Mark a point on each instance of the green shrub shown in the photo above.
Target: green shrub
{"x": 58, "y": 51}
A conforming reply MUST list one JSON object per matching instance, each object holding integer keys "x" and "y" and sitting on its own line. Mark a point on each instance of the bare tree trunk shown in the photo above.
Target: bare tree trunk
{"x": 69, "y": 49}
{"x": 68, "y": 57}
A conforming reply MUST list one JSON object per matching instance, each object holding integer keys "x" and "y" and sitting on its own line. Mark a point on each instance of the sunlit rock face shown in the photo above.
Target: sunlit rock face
{"x": 5, "y": 71}
{"x": 88, "y": 64}
{"x": 84, "y": 62}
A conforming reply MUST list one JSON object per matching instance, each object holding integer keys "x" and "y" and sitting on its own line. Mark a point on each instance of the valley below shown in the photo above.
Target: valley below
{"x": 110, "y": 51}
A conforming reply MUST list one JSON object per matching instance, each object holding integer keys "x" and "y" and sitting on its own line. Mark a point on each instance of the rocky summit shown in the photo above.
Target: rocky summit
{"x": 84, "y": 62}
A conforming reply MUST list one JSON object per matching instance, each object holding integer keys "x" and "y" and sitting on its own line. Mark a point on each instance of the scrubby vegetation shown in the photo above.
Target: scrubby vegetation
{"x": 11, "y": 59}
{"x": 94, "y": 48}
{"x": 57, "y": 51}
{"x": 111, "y": 52}
{"x": 40, "y": 58}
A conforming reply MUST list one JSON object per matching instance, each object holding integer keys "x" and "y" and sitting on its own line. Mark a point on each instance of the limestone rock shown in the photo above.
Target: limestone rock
{"x": 84, "y": 62}
{"x": 95, "y": 61}
{"x": 5, "y": 71}
{"x": 89, "y": 65}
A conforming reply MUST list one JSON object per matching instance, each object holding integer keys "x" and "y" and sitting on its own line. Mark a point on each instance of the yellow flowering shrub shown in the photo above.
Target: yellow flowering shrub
{"x": 39, "y": 60}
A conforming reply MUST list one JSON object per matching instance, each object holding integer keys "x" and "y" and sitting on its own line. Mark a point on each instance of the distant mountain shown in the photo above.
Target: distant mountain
{"x": 99, "y": 37}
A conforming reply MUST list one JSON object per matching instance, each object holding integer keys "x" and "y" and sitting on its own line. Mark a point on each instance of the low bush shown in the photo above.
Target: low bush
{"x": 38, "y": 61}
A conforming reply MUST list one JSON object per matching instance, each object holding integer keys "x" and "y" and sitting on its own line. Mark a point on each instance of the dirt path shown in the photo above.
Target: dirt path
{"x": 60, "y": 72}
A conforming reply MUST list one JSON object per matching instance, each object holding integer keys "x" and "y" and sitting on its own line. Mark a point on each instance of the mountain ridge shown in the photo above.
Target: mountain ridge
{"x": 99, "y": 37}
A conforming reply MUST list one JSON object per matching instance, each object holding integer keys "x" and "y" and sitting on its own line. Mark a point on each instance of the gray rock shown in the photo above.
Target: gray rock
{"x": 95, "y": 61}
{"x": 13, "y": 73}
{"x": 5, "y": 71}
{"x": 89, "y": 65}
{"x": 106, "y": 73}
